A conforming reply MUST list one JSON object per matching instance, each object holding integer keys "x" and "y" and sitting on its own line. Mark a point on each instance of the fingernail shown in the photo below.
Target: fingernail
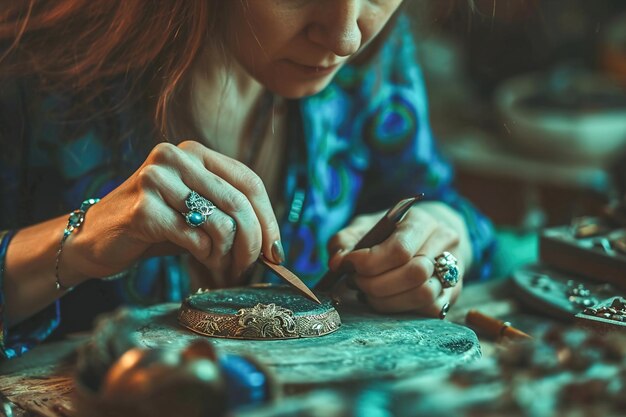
{"x": 278, "y": 253}
{"x": 444, "y": 311}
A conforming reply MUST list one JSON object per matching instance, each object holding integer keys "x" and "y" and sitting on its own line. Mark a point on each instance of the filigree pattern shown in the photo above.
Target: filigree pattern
{"x": 319, "y": 324}
{"x": 259, "y": 322}
{"x": 266, "y": 321}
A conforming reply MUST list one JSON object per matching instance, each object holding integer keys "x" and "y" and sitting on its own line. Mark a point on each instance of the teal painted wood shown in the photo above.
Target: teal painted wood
{"x": 367, "y": 347}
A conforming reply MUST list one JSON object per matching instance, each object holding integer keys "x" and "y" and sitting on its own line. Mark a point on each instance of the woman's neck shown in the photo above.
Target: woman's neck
{"x": 224, "y": 97}
{"x": 232, "y": 114}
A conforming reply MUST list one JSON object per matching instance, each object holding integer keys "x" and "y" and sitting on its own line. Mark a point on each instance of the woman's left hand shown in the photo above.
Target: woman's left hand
{"x": 398, "y": 275}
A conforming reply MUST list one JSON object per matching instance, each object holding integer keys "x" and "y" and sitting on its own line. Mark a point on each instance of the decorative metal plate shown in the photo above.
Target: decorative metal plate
{"x": 259, "y": 313}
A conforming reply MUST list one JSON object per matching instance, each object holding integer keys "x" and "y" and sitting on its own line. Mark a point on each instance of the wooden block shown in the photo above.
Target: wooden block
{"x": 592, "y": 257}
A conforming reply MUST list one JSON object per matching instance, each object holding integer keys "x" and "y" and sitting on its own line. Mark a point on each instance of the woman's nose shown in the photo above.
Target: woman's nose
{"x": 338, "y": 28}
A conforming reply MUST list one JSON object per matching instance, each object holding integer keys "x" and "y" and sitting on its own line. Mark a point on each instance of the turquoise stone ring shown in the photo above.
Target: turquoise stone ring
{"x": 446, "y": 270}
{"x": 199, "y": 209}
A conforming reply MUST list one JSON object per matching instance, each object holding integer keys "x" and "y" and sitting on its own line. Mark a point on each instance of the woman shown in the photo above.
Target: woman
{"x": 308, "y": 121}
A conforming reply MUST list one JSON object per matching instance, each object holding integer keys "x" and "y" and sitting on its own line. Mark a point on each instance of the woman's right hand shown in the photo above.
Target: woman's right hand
{"x": 143, "y": 216}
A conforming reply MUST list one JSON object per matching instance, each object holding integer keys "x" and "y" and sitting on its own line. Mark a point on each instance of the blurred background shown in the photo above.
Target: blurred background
{"x": 528, "y": 101}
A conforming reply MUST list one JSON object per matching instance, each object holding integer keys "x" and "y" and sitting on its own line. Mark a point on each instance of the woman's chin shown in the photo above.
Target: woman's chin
{"x": 298, "y": 90}
{"x": 291, "y": 81}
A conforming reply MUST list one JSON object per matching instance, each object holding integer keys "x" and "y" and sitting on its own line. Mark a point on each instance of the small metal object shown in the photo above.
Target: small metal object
{"x": 614, "y": 311}
{"x": 266, "y": 313}
{"x": 543, "y": 282}
{"x": 290, "y": 278}
{"x": 199, "y": 209}
{"x": 583, "y": 227}
{"x": 618, "y": 304}
{"x": 579, "y": 295}
{"x": 588, "y": 302}
{"x": 578, "y": 290}
{"x": 446, "y": 270}
{"x": 619, "y": 244}
{"x": 604, "y": 244}
{"x": 590, "y": 311}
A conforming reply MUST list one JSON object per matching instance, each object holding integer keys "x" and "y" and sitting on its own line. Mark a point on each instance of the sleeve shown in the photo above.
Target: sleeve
{"x": 19, "y": 339}
{"x": 403, "y": 156}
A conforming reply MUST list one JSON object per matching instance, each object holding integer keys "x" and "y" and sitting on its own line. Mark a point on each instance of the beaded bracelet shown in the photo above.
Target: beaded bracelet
{"x": 76, "y": 219}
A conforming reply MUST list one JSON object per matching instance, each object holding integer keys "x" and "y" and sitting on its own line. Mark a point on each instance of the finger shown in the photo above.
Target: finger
{"x": 163, "y": 249}
{"x": 411, "y": 275}
{"x": 415, "y": 272}
{"x": 436, "y": 309}
{"x": 219, "y": 226}
{"x": 398, "y": 249}
{"x": 443, "y": 239}
{"x": 421, "y": 234}
{"x": 411, "y": 300}
{"x": 349, "y": 236}
{"x": 164, "y": 224}
{"x": 229, "y": 199}
{"x": 250, "y": 184}
{"x": 343, "y": 241}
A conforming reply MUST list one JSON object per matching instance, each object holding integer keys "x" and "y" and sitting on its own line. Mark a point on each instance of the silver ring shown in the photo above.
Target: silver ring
{"x": 199, "y": 209}
{"x": 446, "y": 270}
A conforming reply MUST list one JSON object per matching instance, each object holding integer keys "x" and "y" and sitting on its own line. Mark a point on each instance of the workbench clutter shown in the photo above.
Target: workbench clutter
{"x": 117, "y": 376}
{"x": 580, "y": 276}
{"x": 592, "y": 246}
{"x": 158, "y": 361}
{"x": 561, "y": 372}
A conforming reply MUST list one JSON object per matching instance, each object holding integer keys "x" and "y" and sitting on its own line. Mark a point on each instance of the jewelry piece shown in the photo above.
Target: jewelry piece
{"x": 579, "y": 295}
{"x": 616, "y": 311}
{"x": 75, "y": 220}
{"x": 265, "y": 312}
{"x": 262, "y": 321}
{"x": 446, "y": 270}
{"x": 444, "y": 311}
{"x": 199, "y": 209}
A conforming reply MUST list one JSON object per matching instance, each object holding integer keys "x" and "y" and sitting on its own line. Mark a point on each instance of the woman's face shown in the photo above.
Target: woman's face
{"x": 295, "y": 47}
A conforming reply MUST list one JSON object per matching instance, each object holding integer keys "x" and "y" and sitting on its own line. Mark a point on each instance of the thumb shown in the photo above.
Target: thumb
{"x": 342, "y": 243}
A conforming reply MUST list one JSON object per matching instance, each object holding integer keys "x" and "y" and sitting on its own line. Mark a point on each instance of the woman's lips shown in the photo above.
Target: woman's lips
{"x": 314, "y": 70}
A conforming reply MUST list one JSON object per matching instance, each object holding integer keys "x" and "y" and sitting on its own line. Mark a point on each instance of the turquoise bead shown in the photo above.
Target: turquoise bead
{"x": 195, "y": 218}
{"x": 452, "y": 276}
{"x": 76, "y": 217}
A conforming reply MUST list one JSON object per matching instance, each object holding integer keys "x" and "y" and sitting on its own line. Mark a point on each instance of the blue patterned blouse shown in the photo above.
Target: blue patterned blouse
{"x": 358, "y": 146}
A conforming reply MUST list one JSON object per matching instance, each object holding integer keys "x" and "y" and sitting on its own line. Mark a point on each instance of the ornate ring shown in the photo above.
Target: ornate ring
{"x": 199, "y": 209}
{"x": 446, "y": 270}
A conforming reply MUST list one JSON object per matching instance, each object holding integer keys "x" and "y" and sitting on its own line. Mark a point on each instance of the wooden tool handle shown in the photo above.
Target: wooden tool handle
{"x": 493, "y": 328}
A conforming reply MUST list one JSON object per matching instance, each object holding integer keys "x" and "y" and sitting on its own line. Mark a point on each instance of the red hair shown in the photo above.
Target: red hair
{"x": 80, "y": 45}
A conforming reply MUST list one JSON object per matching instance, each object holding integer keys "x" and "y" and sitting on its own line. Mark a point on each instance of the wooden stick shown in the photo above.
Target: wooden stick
{"x": 493, "y": 328}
